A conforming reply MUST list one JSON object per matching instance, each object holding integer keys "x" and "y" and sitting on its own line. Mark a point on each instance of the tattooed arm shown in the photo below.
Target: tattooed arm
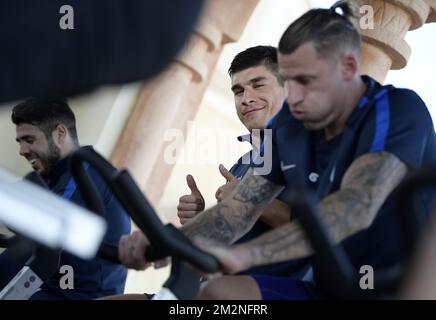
{"x": 364, "y": 188}
{"x": 276, "y": 214}
{"x": 224, "y": 223}
{"x": 235, "y": 215}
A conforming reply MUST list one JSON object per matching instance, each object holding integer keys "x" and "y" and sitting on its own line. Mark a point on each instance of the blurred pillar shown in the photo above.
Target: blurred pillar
{"x": 420, "y": 282}
{"x": 384, "y": 47}
{"x": 171, "y": 99}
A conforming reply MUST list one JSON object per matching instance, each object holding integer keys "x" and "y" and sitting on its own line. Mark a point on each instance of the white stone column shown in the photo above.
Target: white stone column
{"x": 384, "y": 47}
{"x": 171, "y": 99}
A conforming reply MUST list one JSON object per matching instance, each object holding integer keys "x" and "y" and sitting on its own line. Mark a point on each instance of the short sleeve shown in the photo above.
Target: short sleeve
{"x": 401, "y": 126}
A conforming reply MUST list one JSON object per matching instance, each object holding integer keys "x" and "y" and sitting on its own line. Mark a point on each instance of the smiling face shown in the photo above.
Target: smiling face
{"x": 40, "y": 152}
{"x": 258, "y": 96}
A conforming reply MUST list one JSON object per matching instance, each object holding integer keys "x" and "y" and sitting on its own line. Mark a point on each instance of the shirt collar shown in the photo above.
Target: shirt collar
{"x": 371, "y": 89}
{"x": 247, "y": 138}
{"x": 56, "y": 172}
{"x": 59, "y": 169}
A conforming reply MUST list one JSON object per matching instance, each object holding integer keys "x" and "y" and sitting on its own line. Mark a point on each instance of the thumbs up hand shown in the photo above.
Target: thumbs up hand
{"x": 191, "y": 204}
{"x": 227, "y": 188}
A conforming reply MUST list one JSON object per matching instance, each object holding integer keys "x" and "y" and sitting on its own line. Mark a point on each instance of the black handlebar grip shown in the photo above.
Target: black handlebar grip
{"x": 109, "y": 252}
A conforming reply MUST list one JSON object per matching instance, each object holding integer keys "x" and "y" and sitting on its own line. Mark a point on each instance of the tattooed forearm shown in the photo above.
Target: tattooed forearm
{"x": 280, "y": 244}
{"x": 255, "y": 190}
{"x": 216, "y": 225}
{"x": 365, "y": 186}
{"x": 234, "y": 216}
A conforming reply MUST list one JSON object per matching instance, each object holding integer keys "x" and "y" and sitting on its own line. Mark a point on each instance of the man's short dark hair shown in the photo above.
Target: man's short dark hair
{"x": 254, "y": 57}
{"x": 330, "y": 30}
{"x": 46, "y": 114}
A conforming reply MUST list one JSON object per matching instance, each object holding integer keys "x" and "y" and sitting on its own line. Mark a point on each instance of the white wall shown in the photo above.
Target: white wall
{"x": 100, "y": 118}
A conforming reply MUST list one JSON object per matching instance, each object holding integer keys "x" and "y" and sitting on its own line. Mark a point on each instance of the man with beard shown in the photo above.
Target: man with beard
{"x": 46, "y": 133}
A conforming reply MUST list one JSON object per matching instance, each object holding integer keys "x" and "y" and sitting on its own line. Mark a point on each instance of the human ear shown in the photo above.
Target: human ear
{"x": 60, "y": 133}
{"x": 349, "y": 65}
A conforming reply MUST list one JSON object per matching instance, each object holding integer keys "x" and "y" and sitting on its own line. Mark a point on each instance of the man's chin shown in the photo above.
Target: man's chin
{"x": 255, "y": 124}
{"x": 39, "y": 170}
{"x": 312, "y": 126}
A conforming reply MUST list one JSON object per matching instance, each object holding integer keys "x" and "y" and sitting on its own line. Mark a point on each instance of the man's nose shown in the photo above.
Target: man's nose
{"x": 295, "y": 93}
{"x": 24, "y": 149}
{"x": 249, "y": 96}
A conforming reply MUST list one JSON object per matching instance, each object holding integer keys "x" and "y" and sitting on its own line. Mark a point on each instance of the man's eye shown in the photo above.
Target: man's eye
{"x": 238, "y": 92}
{"x": 256, "y": 86}
{"x": 303, "y": 81}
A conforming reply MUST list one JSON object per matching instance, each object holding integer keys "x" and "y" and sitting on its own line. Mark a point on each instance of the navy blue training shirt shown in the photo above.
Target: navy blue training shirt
{"x": 386, "y": 119}
{"x": 97, "y": 277}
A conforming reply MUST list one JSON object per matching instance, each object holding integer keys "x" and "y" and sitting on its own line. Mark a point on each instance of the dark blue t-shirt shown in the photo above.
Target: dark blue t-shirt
{"x": 386, "y": 119}
{"x": 97, "y": 277}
